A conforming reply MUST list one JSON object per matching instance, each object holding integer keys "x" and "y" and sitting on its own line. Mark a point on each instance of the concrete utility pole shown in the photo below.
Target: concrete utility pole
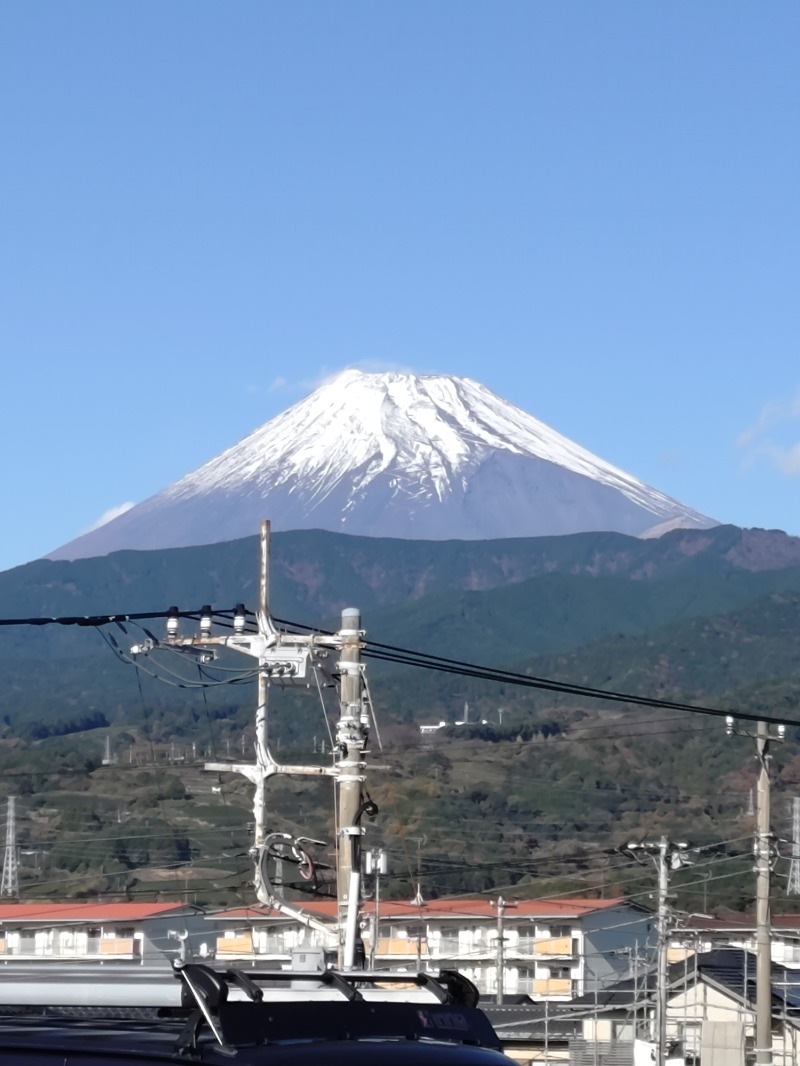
{"x": 667, "y": 855}
{"x": 763, "y": 917}
{"x": 262, "y": 716}
{"x": 663, "y": 920}
{"x": 297, "y": 660}
{"x": 501, "y": 961}
{"x": 351, "y": 733}
{"x": 793, "y": 883}
{"x": 763, "y": 849}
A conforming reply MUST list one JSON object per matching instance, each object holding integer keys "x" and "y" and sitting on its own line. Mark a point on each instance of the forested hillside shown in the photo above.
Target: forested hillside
{"x": 535, "y": 792}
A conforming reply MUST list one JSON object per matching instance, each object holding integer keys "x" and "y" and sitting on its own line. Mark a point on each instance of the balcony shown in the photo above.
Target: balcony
{"x": 120, "y": 945}
{"x": 562, "y": 947}
{"x": 235, "y": 946}
{"x": 126, "y": 947}
{"x": 400, "y": 947}
{"x": 553, "y": 986}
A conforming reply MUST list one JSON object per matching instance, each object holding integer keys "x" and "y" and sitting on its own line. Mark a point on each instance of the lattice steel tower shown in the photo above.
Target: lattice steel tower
{"x": 793, "y": 884}
{"x": 9, "y": 886}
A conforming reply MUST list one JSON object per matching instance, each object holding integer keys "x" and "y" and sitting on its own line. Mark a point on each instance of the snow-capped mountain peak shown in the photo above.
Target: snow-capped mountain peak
{"x": 395, "y": 454}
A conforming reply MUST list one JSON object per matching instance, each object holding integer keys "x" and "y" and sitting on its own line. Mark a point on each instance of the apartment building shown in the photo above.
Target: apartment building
{"x": 98, "y": 931}
{"x": 551, "y": 949}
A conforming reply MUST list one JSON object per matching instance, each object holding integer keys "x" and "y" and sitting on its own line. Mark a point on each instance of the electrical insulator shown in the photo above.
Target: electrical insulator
{"x": 173, "y": 622}
{"x": 729, "y": 724}
{"x": 781, "y": 732}
{"x": 239, "y": 618}
{"x": 205, "y": 620}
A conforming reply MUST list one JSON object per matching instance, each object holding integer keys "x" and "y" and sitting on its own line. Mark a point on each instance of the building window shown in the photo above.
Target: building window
{"x": 559, "y": 973}
{"x": 556, "y": 932}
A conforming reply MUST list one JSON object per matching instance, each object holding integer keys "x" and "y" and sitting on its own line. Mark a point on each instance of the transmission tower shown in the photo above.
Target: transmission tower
{"x": 793, "y": 884}
{"x": 9, "y": 886}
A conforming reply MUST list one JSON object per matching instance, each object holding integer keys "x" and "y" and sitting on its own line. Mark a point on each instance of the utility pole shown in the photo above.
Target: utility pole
{"x": 262, "y": 718}
{"x": 500, "y": 962}
{"x": 667, "y": 855}
{"x": 663, "y": 918}
{"x": 297, "y": 661}
{"x": 351, "y": 733}
{"x": 793, "y": 884}
{"x": 763, "y": 848}
{"x": 500, "y": 958}
{"x": 9, "y": 885}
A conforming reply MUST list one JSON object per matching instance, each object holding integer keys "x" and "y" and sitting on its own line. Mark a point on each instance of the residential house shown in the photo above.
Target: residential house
{"x": 701, "y": 933}
{"x": 710, "y": 1017}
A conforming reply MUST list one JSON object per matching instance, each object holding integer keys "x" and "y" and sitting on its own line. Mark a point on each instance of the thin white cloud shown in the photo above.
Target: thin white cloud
{"x": 771, "y": 415}
{"x": 773, "y": 439}
{"x": 110, "y": 515}
{"x": 787, "y": 460}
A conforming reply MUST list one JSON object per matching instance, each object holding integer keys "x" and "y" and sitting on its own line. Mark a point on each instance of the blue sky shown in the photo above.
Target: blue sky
{"x": 206, "y": 207}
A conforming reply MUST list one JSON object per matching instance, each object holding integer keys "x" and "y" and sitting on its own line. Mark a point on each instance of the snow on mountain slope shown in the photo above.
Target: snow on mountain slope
{"x": 395, "y": 455}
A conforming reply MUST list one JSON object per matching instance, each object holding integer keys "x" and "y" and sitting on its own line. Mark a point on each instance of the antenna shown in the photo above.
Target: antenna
{"x": 793, "y": 884}
{"x": 9, "y": 885}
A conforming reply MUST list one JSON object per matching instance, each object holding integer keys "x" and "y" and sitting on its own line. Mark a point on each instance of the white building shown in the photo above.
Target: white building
{"x": 552, "y": 949}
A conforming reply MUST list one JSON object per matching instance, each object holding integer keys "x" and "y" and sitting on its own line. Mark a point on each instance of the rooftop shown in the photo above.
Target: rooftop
{"x": 550, "y": 909}
{"x": 47, "y": 911}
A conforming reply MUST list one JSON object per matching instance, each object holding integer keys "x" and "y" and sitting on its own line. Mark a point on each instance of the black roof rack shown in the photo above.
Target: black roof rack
{"x": 451, "y": 1016}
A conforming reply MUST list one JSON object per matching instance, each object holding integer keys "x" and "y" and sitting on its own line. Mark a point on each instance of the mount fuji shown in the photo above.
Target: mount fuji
{"x": 395, "y": 455}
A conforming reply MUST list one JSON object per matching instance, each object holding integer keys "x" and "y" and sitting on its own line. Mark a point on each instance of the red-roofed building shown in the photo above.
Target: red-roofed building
{"x": 96, "y": 931}
{"x": 553, "y": 949}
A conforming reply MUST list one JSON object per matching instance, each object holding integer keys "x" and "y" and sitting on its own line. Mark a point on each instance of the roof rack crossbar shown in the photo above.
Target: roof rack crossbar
{"x": 250, "y": 988}
{"x": 206, "y": 989}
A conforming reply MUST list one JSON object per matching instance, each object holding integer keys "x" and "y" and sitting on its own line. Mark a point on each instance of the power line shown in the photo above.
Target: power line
{"x": 423, "y": 660}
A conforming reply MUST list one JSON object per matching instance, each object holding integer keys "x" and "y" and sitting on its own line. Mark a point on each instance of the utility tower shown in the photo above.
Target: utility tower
{"x": 793, "y": 884}
{"x": 9, "y": 886}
